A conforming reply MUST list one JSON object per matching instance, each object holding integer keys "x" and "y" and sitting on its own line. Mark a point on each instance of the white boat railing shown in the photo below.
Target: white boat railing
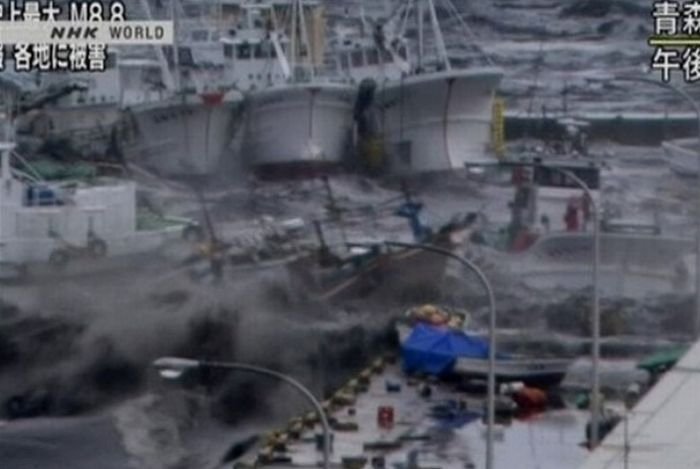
{"x": 677, "y": 148}
{"x": 30, "y": 172}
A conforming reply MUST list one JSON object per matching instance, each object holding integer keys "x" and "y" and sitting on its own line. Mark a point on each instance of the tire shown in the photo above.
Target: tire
{"x": 59, "y": 258}
{"x": 192, "y": 233}
{"x": 97, "y": 248}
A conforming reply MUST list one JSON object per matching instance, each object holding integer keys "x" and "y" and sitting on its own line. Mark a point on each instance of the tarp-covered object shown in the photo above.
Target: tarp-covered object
{"x": 662, "y": 360}
{"x": 434, "y": 350}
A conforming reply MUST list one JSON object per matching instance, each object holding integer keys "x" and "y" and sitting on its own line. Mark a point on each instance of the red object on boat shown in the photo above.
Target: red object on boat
{"x": 523, "y": 241}
{"x": 212, "y": 99}
{"x": 530, "y": 398}
{"x": 385, "y": 417}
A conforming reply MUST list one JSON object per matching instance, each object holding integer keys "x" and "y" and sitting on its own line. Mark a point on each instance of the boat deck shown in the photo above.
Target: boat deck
{"x": 663, "y": 428}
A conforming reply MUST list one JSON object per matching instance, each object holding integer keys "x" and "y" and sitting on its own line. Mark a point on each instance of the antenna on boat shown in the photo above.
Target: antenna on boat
{"x": 176, "y": 48}
{"x": 539, "y": 60}
{"x": 421, "y": 42}
{"x": 467, "y": 30}
{"x": 302, "y": 48}
{"x": 293, "y": 43}
{"x": 165, "y": 69}
{"x": 7, "y": 139}
{"x": 442, "y": 50}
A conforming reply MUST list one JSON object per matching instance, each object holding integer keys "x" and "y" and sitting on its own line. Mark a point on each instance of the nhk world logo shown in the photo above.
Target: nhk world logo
{"x": 86, "y": 32}
{"x": 81, "y": 23}
{"x": 46, "y": 36}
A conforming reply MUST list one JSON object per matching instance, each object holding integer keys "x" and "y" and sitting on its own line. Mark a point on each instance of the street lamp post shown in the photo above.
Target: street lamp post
{"x": 595, "y": 307}
{"x": 595, "y": 319}
{"x": 174, "y": 367}
{"x": 696, "y": 107}
{"x": 491, "y": 398}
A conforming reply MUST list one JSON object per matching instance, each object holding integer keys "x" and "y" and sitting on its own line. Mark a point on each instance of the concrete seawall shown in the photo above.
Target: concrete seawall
{"x": 628, "y": 128}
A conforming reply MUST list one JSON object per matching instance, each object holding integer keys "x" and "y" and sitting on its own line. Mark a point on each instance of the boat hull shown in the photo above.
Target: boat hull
{"x": 531, "y": 371}
{"x": 304, "y": 126}
{"x": 438, "y": 121}
{"x": 179, "y": 137}
{"x": 538, "y": 372}
{"x": 30, "y": 258}
{"x": 392, "y": 275}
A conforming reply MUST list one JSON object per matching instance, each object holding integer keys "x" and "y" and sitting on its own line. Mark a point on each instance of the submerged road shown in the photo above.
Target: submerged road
{"x": 60, "y": 443}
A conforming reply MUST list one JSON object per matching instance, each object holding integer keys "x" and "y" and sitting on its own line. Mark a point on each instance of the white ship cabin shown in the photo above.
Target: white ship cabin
{"x": 358, "y": 58}
{"x": 141, "y": 81}
{"x": 257, "y": 45}
{"x": 38, "y": 218}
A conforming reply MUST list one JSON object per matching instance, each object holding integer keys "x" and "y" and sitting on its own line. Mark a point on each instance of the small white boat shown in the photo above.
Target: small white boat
{"x": 532, "y": 371}
{"x": 682, "y": 156}
{"x": 76, "y": 227}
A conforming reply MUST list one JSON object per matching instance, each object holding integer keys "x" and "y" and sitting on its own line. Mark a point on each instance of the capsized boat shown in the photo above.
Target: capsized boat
{"x": 243, "y": 249}
{"x": 360, "y": 269}
{"x": 436, "y": 342}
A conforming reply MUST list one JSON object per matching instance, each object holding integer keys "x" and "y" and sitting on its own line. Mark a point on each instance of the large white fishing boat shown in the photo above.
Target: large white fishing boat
{"x": 187, "y": 130}
{"x": 70, "y": 226}
{"x": 297, "y": 118}
{"x": 435, "y": 115}
{"x": 182, "y": 133}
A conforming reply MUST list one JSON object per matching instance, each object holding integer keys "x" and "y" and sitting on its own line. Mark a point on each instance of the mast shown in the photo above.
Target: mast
{"x": 419, "y": 13}
{"x": 305, "y": 37}
{"x": 279, "y": 51}
{"x": 6, "y": 139}
{"x": 165, "y": 70}
{"x": 176, "y": 48}
{"x": 293, "y": 44}
{"x": 304, "y": 33}
{"x": 440, "y": 41}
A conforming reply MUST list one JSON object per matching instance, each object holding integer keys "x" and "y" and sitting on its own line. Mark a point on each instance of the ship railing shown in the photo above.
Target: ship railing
{"x": 321, "y": 73}
{"x": 28, "y": 173}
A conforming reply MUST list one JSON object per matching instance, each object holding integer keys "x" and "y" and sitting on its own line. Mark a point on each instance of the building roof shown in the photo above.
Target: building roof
{"x": 664, "y": 427}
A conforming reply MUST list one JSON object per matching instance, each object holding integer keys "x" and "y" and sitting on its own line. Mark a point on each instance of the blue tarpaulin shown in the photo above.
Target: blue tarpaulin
{"x": 434, "y": 350}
